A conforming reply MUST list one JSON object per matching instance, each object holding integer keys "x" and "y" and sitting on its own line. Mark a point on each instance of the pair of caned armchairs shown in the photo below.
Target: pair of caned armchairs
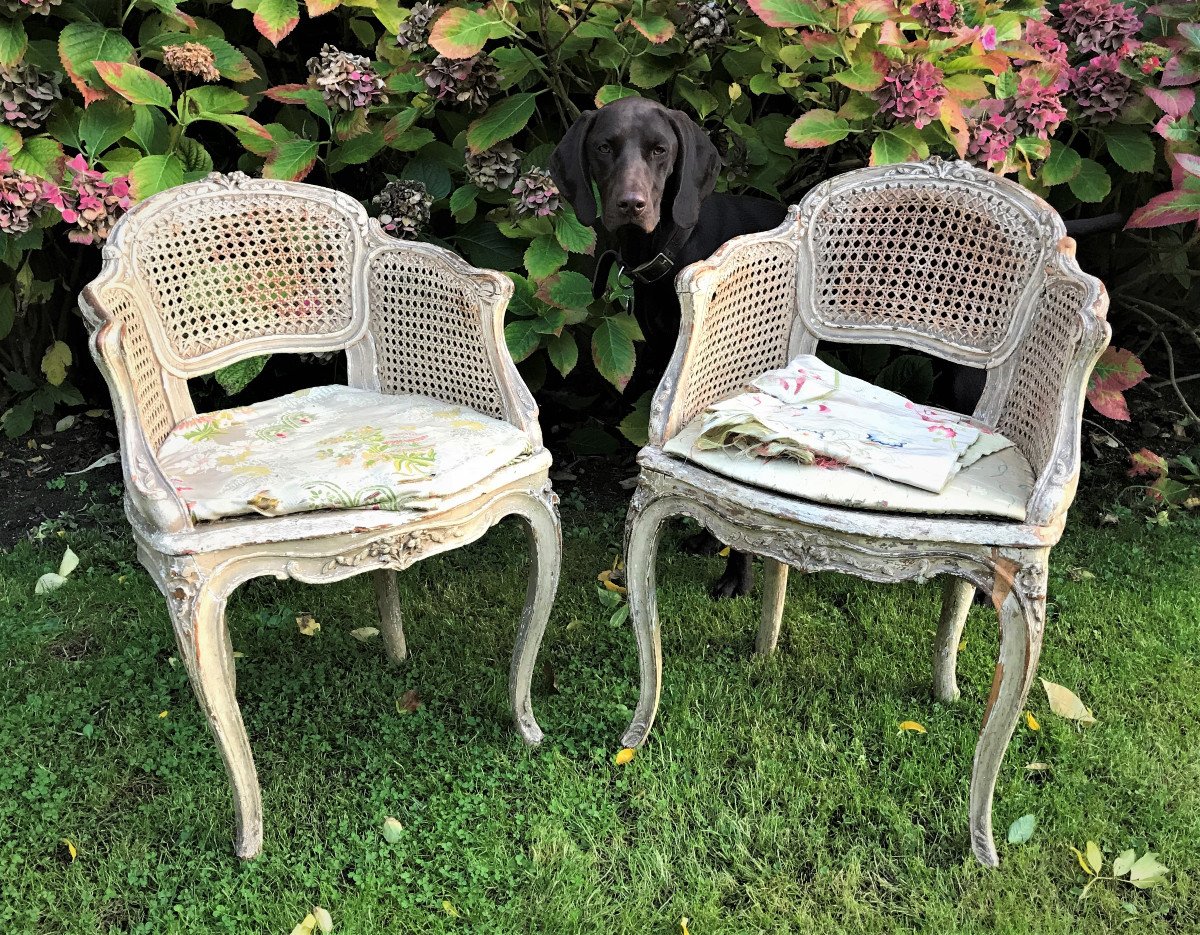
{"x": 935, "y": 256}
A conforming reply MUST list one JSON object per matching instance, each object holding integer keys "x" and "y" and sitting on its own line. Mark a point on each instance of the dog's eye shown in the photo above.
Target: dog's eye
{"x": 604, "y": 148}
{"x": 659, "y": 150}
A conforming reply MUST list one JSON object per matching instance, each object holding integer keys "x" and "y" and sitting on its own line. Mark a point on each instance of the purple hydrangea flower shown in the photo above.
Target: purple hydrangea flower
{"x": 1039, "y": 108}
{"x": 992, "y": 130}
{"x": 937, "y": 15}
{"x": 1098, "y": 26}
{"x": 1099, "y": 88}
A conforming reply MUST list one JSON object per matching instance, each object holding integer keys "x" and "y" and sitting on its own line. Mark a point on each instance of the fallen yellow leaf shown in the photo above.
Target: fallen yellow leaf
{"x": 449, "y": 909}
{"x": 1036, "y": 767}
{"x": 1031, "y": 721}
{"x": 324, "y": 919}
{"x": 624, "y": 756}
{"x": 163, "y": 714}
{"x": 1065, "y": 703}
{"x": 724, "y": 553}
{"x": 683, "y": 926}
{"x": 913, "y": 726}
{"x": 605, "y": 578}
{"x": 306, "y": 925}
{"x": 67, "y": 843}
{"x": 1082, "y": 861}
{"x": 307, "y": 624}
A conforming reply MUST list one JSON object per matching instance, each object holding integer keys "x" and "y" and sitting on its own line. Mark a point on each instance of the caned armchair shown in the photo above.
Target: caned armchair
{"x": 936, "y": 256}
{"x": 213, "y": 272}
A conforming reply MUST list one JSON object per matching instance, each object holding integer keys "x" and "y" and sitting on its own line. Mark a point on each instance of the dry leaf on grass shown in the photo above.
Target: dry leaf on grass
{"x": 362, "y": 634}
{"x": 1066, "y": 704}
{"x": 624, "y": 756}
{"x": 324, "y": 919}
{"x": 307, "y": 624}
{"x": 51, "y": 581}
{"x": 409, "y": 702}
{"x": 1021, "y": 830}
{"x": 913, "y": 726}
{"x": 392, "y": 829}
{"x": 1031, "y": 722}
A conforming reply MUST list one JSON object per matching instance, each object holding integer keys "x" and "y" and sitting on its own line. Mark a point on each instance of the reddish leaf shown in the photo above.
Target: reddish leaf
{"x": 658, "y": 29}
{"x": 320, "y": 7}
{"x": 787, "y": 13}
{"x": 955, "y": 125}
{"x": 1116, "y": 371}
{"x": 1146, "y": 463}
{"x": 461, "y": 33}
{"x": 1189, "y": 163}
{"x": 1178, "y": 73}
{"x": 1175, "y": 102}
{"x": 276, "y": 18}
{"x": 1176, "y": 207}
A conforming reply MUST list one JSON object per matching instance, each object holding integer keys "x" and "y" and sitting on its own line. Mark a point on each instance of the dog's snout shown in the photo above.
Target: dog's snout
{"x": 631, "y": 204}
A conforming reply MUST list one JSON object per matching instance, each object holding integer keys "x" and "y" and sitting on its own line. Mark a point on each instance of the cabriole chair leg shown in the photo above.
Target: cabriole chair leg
{"x": 1021, "y": 624}
{"x": 545, "y": 544}
{"x": 204, "y": 646}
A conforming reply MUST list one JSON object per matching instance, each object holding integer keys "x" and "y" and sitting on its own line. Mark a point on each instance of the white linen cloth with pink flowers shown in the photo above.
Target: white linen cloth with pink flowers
{"x": 808, "y": 411}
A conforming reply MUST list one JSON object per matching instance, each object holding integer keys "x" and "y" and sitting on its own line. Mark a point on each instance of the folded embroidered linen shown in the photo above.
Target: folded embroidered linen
{"x": 808, "y": 411}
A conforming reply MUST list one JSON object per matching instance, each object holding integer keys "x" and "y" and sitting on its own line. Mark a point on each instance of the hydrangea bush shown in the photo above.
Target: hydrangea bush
{"x": 441, "y": 118}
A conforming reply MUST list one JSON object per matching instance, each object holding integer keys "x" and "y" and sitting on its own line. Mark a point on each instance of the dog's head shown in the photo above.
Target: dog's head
{"x": 642, "y": 157}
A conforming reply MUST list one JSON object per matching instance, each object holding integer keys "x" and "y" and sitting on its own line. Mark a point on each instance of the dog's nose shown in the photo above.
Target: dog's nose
{"x": 632, "y": 205}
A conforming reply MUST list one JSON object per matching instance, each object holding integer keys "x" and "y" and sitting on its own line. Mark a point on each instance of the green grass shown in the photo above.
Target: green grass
{"x": 773, "y": 796}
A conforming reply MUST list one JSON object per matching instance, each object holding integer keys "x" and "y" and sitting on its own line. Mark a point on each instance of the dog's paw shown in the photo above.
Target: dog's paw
{"x": 732, "y": 583}
{"x": 702, "y": 543}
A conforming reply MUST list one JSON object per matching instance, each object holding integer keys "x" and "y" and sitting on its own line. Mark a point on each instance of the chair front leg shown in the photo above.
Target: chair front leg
{"x": 391, "y": 620}
{"x": 643, "y": 528}
{"x": 545, "y": 543}
{"x": 197, "y": 607}
{"x": 1022, "y": 613}
{"x": 957, "y": 596}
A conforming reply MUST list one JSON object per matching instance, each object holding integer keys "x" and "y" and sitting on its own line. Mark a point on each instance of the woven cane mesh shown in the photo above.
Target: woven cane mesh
{"x": 247, "y": 265}
{"x": 137, "y": 357}
{"x": 428, "y": 328}
{"x": 746, "y": 326}
{"x": 932, "y": 259}
{"x": 1030, "y": 416}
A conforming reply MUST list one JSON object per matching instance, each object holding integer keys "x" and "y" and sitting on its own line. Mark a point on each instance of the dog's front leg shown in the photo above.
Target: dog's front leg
{"x": 738, "y": 577}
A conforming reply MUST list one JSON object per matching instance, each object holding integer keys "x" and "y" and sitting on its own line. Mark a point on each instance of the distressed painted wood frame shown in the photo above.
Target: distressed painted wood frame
{"x": 216, "y": 271}
{"x": 935, "y": 256}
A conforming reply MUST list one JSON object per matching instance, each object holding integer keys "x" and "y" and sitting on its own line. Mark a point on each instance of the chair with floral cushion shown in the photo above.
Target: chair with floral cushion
{"x": 937, "y": 256}
{"x": 434, "y": 440}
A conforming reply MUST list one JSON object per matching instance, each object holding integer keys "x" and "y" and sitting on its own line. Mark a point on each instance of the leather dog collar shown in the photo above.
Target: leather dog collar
{"x": 650, "y": 271}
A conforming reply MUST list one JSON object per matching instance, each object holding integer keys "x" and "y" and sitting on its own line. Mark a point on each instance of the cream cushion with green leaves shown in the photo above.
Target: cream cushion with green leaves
{"x": 334, "y": 447}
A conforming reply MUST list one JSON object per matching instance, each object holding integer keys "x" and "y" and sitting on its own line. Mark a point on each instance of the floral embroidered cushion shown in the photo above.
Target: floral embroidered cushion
{"x": 334, "y": 447}
{"x": 996, "y": 485}
{"x": 809, "y": 410}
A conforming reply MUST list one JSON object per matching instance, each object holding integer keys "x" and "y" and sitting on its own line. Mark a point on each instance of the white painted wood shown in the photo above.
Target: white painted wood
{"x": 157, "y": 317}
{"x": 762, "y": 298}
{"x": 775, "y": 576}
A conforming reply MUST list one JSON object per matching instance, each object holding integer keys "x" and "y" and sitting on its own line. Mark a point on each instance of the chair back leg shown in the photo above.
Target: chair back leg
{"x": 391, "y": 620}
{"x": 957, "y": 596}
{"x": 775, "y": 577}
{"x": 197, "y": 606}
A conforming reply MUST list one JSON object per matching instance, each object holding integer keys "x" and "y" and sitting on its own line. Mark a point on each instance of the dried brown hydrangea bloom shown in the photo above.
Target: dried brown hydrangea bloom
{"x": 192, "y": 58}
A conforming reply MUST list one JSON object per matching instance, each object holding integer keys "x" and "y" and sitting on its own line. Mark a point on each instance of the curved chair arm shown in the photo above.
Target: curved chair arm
{"x": 737, "y": 310}
{"x": 1047, "y": 385}
{"x": 141, "y": 406}
{"x": 436, "y": 327}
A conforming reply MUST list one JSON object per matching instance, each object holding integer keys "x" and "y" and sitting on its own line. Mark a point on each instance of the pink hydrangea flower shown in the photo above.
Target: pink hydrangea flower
{"x": 1046, "y": 40}
{"x": 937, "y": 15}
{"x": 1039, "y": 108}
{"x": 91, "y": 203}
{"x": 987, "y": 38}
{"x": 912, "y": 91}
{"x": 1098, "y": 26}
{"x": 992, "y": 130}
{"x": 1099, "y": 88}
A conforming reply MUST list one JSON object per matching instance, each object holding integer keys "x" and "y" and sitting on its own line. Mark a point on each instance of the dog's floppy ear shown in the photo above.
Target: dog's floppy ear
{"x": 696, "y": 168}
{"x": 569, "y": 169}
